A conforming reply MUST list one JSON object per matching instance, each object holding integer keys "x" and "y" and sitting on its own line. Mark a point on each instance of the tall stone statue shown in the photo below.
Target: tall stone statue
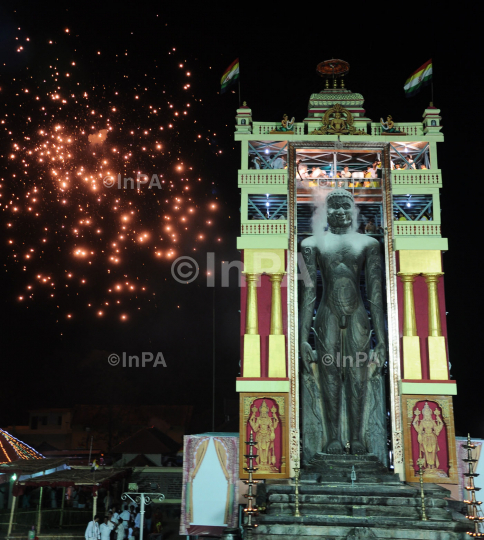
{"x": 342, "y": 386}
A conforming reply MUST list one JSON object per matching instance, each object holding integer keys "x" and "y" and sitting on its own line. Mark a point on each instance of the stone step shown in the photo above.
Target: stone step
{"x": 345, "y": 477}
{"x": 358, "y": 500}
{"x": 336, "y": 532}
{"x": 302, "y": 522}
{"x": 353, "y": 510}
{"x": 383, "y": 490}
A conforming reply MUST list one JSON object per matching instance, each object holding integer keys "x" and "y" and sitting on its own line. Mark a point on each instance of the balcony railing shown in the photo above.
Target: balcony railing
{"x": 410, "y": 128}
{"x": 264, "y": 227}
{"x": 416, "y": 229}
{"x": 257, "y": 177}
{"x": 264, "y": 128}
{"x": 417, "y": 178}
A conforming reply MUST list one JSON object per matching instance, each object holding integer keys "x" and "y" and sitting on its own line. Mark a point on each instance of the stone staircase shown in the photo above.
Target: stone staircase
{"x": 377, "y": 506}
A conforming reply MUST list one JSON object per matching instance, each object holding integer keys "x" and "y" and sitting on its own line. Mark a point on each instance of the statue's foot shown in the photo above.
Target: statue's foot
{"x": 334, "y": 447}
{"x": 358, "y": 448}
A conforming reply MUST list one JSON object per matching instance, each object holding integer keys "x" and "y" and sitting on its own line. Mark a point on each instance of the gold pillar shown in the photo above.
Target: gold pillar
{"x": 437, "y": 350}
{"x": 432, "y": 280}
{"x": 277, "y": 340}
{"x": 251, "y": 365}
{"x": 412, "y": 363}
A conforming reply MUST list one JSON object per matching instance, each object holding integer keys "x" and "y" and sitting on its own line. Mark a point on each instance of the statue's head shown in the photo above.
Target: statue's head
{"x": 337, "y": 115}
{"x": 264, "y": 409}
{"x": 427, "y": 412}
{"x": 340, "y": 209}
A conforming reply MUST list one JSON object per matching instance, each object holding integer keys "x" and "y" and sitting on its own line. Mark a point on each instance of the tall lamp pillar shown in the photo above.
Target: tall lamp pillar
{"x": 277, "y": 340}
{"x": 437, "y": 351}
{"x": 251, "y": 365}
{"x": 412, "y": 364}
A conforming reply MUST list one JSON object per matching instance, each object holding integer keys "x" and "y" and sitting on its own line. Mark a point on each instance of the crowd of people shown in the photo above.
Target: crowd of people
{"x": 121, "y": 523}
{"x": 372, "y": 172}
{"x": 426, "y": 216}
{"x": 271, "y": 163}
{"x": 371, "y": 178}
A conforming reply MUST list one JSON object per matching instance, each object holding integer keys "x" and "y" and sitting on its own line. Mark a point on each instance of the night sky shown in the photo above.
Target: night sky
{"x": 131, "y": 62}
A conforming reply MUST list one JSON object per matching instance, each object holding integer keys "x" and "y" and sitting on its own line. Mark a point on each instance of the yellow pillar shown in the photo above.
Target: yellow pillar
{"x": 412, "y": 363}
{"x": 39, "y": 515}
{"x": 12, "y": 513}
{"x": 251, "y": 365}
{"x": 277, "y": 340}
{"x": 437, "y": 350}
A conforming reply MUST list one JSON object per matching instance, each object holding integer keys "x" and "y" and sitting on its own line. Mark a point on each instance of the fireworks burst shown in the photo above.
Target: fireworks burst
{"x": 96, "y": 183}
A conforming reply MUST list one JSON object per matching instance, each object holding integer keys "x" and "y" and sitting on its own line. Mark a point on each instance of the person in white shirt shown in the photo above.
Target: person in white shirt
{"x": 315, "y": 172}
{"x": 411, "y": 162}
{"x": 92, "y": 529}
{"x": 125, "y": 516}
{"x": 137, "y": 521}
{"x": 120, "y": 531}
{"x": 278, "y": 163}
{"x": 106, "y": 528}
{"x": 115, "y": 517}
{"x": 346, "y": 173}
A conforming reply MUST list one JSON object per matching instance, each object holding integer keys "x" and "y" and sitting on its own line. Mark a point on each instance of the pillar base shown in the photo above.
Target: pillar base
{"x": 251, "y": 365}
{"x": 438, "y": 358}
{"x": 277, "y": 356}
{"x": 412, "y": 363}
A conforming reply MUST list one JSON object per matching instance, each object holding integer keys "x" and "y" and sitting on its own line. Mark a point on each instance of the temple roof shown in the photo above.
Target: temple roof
{"x": 11, "y": 449}
{"x": 336, "y": 95}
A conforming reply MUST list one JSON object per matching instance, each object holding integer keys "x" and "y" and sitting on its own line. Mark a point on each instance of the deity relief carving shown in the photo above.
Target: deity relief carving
{"x": 428, "y": 431}
{"x": 337, "y": 121}
{"x": 430, "y": 437}
{"x": 264, "y": 428}
{"x": 264, "y": 416}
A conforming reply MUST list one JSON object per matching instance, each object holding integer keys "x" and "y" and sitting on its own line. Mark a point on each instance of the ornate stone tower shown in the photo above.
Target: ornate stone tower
{"x": 390, "y": 172}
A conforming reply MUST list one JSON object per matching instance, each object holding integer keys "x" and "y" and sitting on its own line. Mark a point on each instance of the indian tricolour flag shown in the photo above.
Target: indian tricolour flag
{"x": 418, "y": 79}
{"x": 230, "y": 75}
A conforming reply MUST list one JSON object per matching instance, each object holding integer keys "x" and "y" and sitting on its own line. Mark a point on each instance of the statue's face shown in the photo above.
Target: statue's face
{"x": 337, "y": 115}
{"x": 340, "y": 211}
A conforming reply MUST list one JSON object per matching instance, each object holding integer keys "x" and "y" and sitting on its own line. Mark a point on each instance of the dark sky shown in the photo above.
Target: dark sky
{"x": 50, "y": 361}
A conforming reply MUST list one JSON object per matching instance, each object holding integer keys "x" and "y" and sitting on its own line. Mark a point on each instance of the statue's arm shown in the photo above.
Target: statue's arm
{"x": 439, "y": 427}
{"x": 308, "y": 300}
{"x": 373, "y": 273}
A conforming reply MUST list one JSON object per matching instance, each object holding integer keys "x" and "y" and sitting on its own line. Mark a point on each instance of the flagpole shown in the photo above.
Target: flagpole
{"x": 240, "y": 103}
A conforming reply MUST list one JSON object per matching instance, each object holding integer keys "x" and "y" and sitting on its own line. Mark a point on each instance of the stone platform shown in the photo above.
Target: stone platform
{"x": 377, "y": 506}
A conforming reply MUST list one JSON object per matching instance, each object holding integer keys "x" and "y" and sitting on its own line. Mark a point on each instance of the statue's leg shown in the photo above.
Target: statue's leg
{"x": 357, "y": 349}
{"x": 328, "y": 349}
{"x": 313, "y": 424}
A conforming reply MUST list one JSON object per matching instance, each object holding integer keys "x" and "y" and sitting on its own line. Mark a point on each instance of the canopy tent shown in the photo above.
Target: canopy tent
{"x": 12, "y": 449}
{"x": 32, "y": 467}
{"x": 76, "y": 477}
{"x": 68, "y": 477}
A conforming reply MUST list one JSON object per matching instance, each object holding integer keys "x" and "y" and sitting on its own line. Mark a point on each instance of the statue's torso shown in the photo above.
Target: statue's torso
{"x": 341, "y": 259}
